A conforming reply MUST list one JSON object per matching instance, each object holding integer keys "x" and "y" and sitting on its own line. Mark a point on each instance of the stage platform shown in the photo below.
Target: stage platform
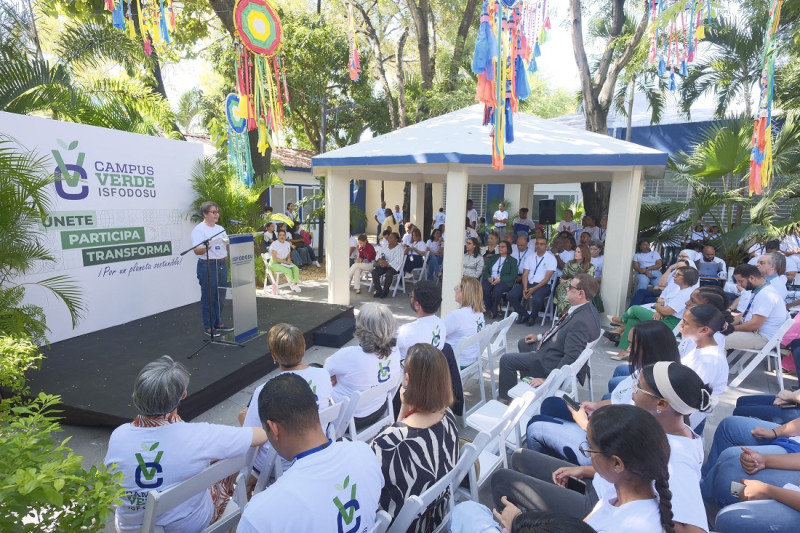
{"x": 94, "y": 373}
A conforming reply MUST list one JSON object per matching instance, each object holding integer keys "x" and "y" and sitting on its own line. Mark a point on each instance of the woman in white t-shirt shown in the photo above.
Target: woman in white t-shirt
{"x": 159, "y": 450}
{"x": 415, "y": 250}
{"x": 467, "y": 320}
{"x": 287, "y": 345}
{"x": 699, "y": 324}
{"x": 374, "y": 361}
{"x": 281, "y": 251}
{"x": 435, "y": 250}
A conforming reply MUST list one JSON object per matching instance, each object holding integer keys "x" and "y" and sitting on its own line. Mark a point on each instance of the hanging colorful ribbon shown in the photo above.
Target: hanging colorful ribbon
{"x": 676, "y": 26}
{"x": 156, "y": 18}
{"x": 354, "y": 63}
{"x": 506, "y": 49}
{"x": 761, "y": 154}
{"x": 238, "y": 142}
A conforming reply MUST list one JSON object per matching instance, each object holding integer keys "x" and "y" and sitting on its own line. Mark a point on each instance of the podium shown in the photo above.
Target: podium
{"x": 243, "y": 289}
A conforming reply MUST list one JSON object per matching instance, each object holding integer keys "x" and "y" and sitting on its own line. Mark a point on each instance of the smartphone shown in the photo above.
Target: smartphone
{"x": 572, "y": 403}
{"x": 736, "y": 489}
{"x": 578, "y": 485}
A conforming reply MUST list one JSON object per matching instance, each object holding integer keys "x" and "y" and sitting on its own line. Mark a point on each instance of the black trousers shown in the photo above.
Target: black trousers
{"x": 387, "y": 273}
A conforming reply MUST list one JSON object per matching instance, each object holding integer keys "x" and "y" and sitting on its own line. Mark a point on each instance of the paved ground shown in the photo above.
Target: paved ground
{"x": 91, "y": 443}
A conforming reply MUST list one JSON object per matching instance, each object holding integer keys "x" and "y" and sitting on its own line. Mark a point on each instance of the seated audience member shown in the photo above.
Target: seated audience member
{"x": 560, "y": 345}
{"x": 435, "y": 246}
{"x": 422, "y": 446}
{"x": 385, "y": 239}
{"x": 287, "y": 345}
{"x": 483, "y": 231}
{"x": 415, "y": 251}
{"x": 499, "y": 273}
{"x": 602, "y": 229}
{"x": 666, "y": 284}
{"x": 280, "y": 251}
{"x": 712, "y": 269}
{"x": 581, "y": 264}
{"x": 472, "y": 263}
{"x": 711, "y": 295}
{"x": 566, "y": 253}
{"x": 534, "y": 286}
{"x": 374, "y": 361}
{"x": 698, "y": 233}
{"x": 589, "y": 227}
{"x": 467, "y": 320}
{"x": 555, "y": 433}
{"x": 519, "y": 251}
{"x": 303, "y": 245}
{"x": 785, "y": 406}
{"x": 472, "y": 517}
{"x": 469, "y": 231}
{"x": 329, "y": 482}
{"x": 790, "y": 246}
{"x": 269, "y": 234}
{"x": 158, "y": 450}
{"x": 596, "y": 251}
{"x": 773, "y": 267}
{"x": 646, "y": 264}
{"x": 389, "y": 264}
{"x": 669, "y": 310}
{"x": 365, "y": 258}
{"x": 668, "y": 392}
{"x": 409, "y": 227}
{"x": 522, "y": 224}
{"x": 764, "y": 314}
{"x": 568, "y": 224}
{"x": 427, "y": 328}
{"x": 765, "y": 457}
{"x": 491, "y": 245}
{"x": 769, "y": 246}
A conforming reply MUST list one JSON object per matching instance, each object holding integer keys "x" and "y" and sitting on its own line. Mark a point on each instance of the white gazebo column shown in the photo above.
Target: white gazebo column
{"x": 511, "y": 192}
{"x": 623, "y": 224}
{"x": 457, "y": 180}
{"x": 337, "y": 234}
{"x": 417, "y": 208}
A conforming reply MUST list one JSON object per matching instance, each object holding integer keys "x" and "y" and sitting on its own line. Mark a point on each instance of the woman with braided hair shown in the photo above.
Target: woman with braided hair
{"x": 669, "y": 391}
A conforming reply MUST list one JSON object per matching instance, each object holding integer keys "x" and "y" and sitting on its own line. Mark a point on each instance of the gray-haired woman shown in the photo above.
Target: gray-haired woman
{"x": 158, "y": 450}
{"x": 374, "y": 361}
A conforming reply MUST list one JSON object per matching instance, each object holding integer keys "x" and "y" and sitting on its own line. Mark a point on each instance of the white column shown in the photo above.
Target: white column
{"x": 511, "y": 192}
{"x": 417, "y": 208}
{"x": 456, "y": 214}
{"x": 337, "y": 235}
{"x": 623, "y": 224}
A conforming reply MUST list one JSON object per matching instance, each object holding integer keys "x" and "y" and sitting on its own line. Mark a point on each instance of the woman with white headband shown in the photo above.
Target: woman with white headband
{"x": 667, "y": 390}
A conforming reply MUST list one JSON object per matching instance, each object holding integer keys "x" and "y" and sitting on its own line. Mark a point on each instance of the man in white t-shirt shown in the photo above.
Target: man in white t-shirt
{"x": 380, "y": 216}
{"x": 212, "y": 267}
{"x": 389, "y": 262}
{"x": 332, "y": 486}
{"x": 534, "y": 287}
{"x": 398, "y": 215}
{"x": 472, "y": 215}
{"x": 764, "y": 314}
{"x": 589, "y": 227}
{"x": 439, "y": 218}
{"x": 427, "y": 328}
{"x": 500, "y": 220}
{"x": 522, "y": 225}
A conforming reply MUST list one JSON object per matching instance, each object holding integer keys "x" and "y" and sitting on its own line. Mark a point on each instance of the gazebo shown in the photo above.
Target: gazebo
{"x": 456, "y": 149}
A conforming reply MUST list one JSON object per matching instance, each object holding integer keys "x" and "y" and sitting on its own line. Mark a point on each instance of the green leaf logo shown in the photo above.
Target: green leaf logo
{"x": 73, "y": 145}
{"x": 62, "y": 144}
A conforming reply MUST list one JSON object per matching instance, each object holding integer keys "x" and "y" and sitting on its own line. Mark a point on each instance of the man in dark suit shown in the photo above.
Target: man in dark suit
{"x": 561, "y": 344}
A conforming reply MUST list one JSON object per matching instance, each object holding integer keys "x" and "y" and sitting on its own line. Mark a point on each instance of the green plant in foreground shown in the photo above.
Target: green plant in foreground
{"x": 43, "y": 486}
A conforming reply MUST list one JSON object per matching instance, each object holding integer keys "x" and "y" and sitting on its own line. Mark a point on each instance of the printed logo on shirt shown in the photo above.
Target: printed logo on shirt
{"x": 479, "y": 324}
{"x": 347, "y": 520}
{"x": 437, "y": 336}
{"x": 313, "y": 389}
{"x": 146, "y": 472}
{"x": 384, "y": 373}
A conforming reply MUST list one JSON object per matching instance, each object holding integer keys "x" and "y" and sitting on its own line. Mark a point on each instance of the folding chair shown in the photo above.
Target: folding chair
{"x": 746, "y": 363}
{"x": 415, "y": 505}
{"x": 585, "y": 358}
{"x": 497, "y": 347}
{"x": 549, "y": 308}
{"x": 418, "y": 274}
{"x": 383, "y": 390}
{"x": 159, "y": 502}
{"x": 274, "y": 277}
{"x": 382, "y": 521}
{"x": 399, "y": 279}
{"x": 482, "y": 339}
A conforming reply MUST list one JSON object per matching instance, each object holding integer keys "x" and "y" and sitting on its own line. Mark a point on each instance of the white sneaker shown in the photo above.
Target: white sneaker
{"x": 316, "y": 263}
{"x": 296, "y": 287}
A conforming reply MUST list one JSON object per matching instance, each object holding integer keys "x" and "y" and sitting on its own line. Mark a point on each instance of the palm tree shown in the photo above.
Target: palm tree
{"x": 23, "y": 182}
{"x": 730, "y": 68}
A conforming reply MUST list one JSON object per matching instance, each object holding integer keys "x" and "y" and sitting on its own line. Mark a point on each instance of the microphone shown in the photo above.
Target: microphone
{"x": 234, "y": 222}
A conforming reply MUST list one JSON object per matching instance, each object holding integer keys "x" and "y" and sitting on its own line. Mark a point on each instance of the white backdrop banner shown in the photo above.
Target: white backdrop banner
{"x": 118, "y": 222}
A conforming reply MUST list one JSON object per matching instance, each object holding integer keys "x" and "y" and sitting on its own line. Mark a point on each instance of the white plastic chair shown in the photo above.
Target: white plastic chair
{"x": 383, "y": 390}
{"x": 159, "y": 502}
{"x": 745, "y": 363}
{"x": 497, "y": 347}
{"x": 585, "y": 358}
{"x": 418, "y": 274}
{"x": 274, "y": 277}
{"x": 399, "y": 279}
{"x": 482, "y": 339}
{"x": 416, "y": 505}
{"x": 382, "y": 521}
{"x": 331, "y": 419}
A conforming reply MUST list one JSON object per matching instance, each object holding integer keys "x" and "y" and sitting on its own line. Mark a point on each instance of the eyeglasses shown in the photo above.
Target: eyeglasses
{"x": 572, "y": 287}
{"x": 585, "y": 450}
{"x": 636, "y": 388}
{"x": 214, "y": 212}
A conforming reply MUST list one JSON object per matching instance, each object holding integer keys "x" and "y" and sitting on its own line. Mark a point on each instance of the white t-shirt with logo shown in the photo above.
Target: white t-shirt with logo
{"x": 646, "y": 260}
{"x": 427, "y": 329}
{"x": 472, "y": 215}
{"x": 320, "y": 382}
{"x": 282, "y": 249}
{"x": 460, "y": 324}
{"x": 217, "y": 248}
{"x": 335, "y": 489}
{"x": 521, "y": 257}
{"x": 768, "y": 304}
{"x": 539, "y": 266}
{"x": 159, "y": 457}
{"x": 356, "y": 370}
{"x": 438, "y": 219}
{"x": 570, "y": 226}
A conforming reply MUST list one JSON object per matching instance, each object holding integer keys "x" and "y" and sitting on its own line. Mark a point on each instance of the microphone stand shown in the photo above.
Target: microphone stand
{"x": 208, "y": 342}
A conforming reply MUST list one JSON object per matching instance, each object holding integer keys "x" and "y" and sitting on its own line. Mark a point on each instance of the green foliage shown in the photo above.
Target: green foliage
{"x": 23, "y": 182}
{"x": 18, "y": 355}
{"x": 43, "y": 481}
{"x": 358, "y": 219}
{"x": 213, "y": 179}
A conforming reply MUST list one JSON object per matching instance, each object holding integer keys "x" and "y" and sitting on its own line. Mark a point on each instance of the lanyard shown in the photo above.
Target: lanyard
{"x": 539, "y": 262}
{"x": 602, "y": 234}
{"x": 522, "y": 257}
{"x": 312, "y": 450}
{"x": 752, "y": 299}
{"x": 499, "y": 265}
